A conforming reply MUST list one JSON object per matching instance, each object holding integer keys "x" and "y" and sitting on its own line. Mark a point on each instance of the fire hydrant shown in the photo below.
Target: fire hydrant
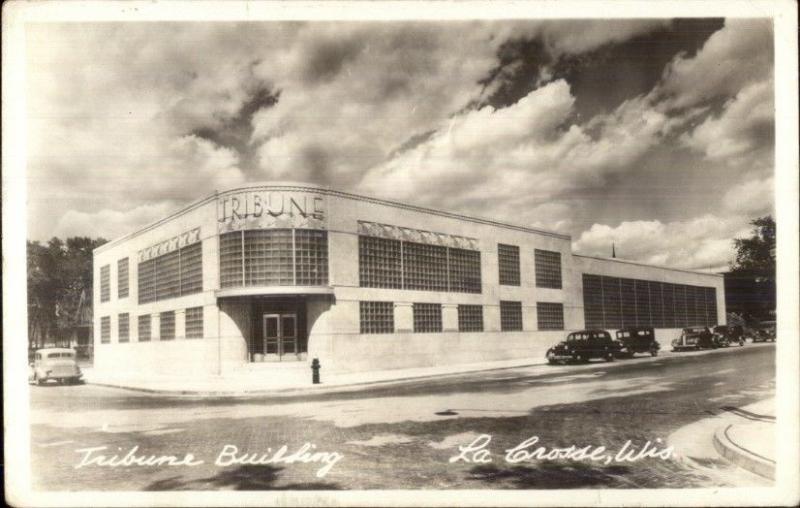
{"x": 315, "y": 371}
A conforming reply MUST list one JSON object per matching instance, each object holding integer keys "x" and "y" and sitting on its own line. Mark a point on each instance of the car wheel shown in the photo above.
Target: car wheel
{"x": 609, "y": 357}
{"x": 39, "y": 382}
{"x": 577, "y": 357}
{"x": 654, "y": 352}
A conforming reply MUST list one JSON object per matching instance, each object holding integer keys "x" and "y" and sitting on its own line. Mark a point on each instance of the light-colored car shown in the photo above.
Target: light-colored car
{"x": 57, "y": 364}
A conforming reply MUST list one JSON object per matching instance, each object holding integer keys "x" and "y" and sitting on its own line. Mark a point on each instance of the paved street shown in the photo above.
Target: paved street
{"x": 402, "y": 436}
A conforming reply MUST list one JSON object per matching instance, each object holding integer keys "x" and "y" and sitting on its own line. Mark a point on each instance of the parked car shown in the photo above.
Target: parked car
{"x": 724, "y": 336}
{"x": 56, "y": 364}
{"x": 637, "y": 340}
{"x": 764, "y": 332}
{"x": 582, "y": 346}
{"x": 694, "y": 337}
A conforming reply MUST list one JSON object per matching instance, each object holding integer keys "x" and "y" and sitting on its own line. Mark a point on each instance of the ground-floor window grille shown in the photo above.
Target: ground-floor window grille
{"x": 427, "y": 317}
{"x": 510, "y": 316}
{"x": 105, "y": 329}
{"x": 123, "y": 327}
{"x": 376, "y": 317}
{"x": 194, "y": 323}
{"x": 144, "y": 328}
{"x": 550, "y": 316}
{"x": 167, "y": 325}
{"x": 470, "y": 318}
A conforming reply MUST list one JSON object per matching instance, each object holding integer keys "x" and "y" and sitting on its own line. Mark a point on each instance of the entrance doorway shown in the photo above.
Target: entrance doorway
{"x": 280, "y": 337}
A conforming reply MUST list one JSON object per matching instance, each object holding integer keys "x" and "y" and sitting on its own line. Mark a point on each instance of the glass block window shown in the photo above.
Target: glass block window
{"x": 268, "y": 258}
{"x": 144, "y": 328}
{"x": 147, "y": 281}
{"x": 424, "y": 266}
{"x": 510, "y": 316}
{"x": 194, "y": 323}
{"x": 427, "y": 317}
{"x": 656, "y": 304}
{"x": 105, "y": 283}
{"x": 711, "y": 306}
{"x": 311, "y": 256}
{"x": 593, "y": 301}
{"x": 376, "y": 317}
{"x": 168, "y": 278}
{"x": 379, "y": 263}
{"x": 612, "y": 303}
{"x": 123, "y": 327}
{"x": 105, "y": 329}
{"x": 681, "y": 320}
{"x": 191, "y": 269}
{"x": 122, "y": 278}
{"x": 465, "y": 270}
{"x": 508, "y": 261}
{"x": 470, "y": 318}
{"x": 167, "y": 325}
{"x": 548, "y": 269}
{"x": 550, "y": 316}
{"x": 627, "y": 300}
{"x": 668, "y": 296}
{"x": 230, "y": 260}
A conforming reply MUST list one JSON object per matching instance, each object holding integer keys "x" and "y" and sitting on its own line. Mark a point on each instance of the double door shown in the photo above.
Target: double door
{"x": 280, "y": 340}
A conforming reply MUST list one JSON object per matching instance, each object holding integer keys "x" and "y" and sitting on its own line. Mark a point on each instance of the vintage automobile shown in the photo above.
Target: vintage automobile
{"x": 637, "y": 340}
{"x": 694, "y": 337}
{"x": 764, "y": 332}
{"x": 724, "y": 336}
{"x": 582, "y": 346}
{"x": 54, "y": 364}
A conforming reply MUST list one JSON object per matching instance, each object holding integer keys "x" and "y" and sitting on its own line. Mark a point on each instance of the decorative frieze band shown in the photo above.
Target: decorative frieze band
{"x": 172, "y": 244}
{"x": 416, "y": 235}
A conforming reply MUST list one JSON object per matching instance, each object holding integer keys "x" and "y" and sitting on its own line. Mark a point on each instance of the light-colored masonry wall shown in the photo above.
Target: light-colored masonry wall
{"x": 632, "y": 270}
{"x": 181, "y": 356}
{"x": 333, "y": 322}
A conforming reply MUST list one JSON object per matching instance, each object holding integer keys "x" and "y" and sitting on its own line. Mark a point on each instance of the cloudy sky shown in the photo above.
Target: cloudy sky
{"x": 656, "y": 135}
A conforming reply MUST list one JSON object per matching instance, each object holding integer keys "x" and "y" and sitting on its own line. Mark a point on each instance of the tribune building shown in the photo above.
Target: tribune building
{"x": 274, "y": 275}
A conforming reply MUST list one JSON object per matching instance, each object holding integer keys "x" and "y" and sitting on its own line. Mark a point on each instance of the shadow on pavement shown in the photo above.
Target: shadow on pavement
{"x": 240, "y": 478}
{"x": 551, "y": 475}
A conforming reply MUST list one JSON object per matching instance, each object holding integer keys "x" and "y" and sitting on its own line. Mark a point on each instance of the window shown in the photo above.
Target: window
{"x": 274, "y": 257}
{"x": 376, "y": 317}
{"x": 194, "y": 323}
{"x": 465, "y": 270}
{"x": 122, "y": 278}
{"x": 191, "y": 259}
{"x": 510, "y": 316}
{"x": 105, "y": 283}
{"x": 550, "y": 316}
{"x": 508, "y": 261}
{"x": 612, "y": 302}
{"x": 123, "y": 327}
{"x": 427, "y": 317}
{"x": 167, "y": 325}
{"x": 105, "y": 329}
{"x": 548, "y": 269}
{"x": 176, "y": 273}
{"x": 424, "y": 266}
{"x": 470, "y": 318}
{"x": 311, "y": 256}
{"x": 144, "y": 328}
{"x": 379, "y": 263}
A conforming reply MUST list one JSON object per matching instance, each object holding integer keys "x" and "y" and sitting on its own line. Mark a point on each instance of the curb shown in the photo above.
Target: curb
{"x": 742, "y": 457}
{"x": 279, "y": 392}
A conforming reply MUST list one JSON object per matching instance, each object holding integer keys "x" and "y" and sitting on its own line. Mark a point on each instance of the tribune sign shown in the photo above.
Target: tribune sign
{"x": 269, "y": 209}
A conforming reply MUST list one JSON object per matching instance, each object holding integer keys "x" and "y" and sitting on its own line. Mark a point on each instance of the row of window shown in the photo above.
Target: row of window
{"x": 378, "y": 317}
{"x": 614, "y": 302}
{"x": 193, "y": 320}
{"x": 396, "y": 264}
{"x": 123, "y": 282}
{"x": 547, "y": 266}
{"x": 274, "y": 257}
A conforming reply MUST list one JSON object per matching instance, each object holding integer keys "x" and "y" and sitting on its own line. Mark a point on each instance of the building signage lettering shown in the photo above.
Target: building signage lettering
{"x": 257, "y": 209}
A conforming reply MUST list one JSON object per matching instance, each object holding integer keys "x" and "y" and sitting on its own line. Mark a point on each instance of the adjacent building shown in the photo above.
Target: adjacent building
{"x": 273, "y": 275}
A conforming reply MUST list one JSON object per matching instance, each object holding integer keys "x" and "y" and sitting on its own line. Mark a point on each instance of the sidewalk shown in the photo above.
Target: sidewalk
{"x": 297, "y": 381}
{"x": 750, "y": 443}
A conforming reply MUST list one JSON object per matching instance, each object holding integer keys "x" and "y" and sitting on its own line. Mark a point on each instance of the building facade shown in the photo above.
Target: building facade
{"x": 274, "y": 275}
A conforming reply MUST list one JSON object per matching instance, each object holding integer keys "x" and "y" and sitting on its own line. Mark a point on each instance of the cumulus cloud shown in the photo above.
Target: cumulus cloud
{"x": 752, "y": 198}
{"x": 702, "y": 243}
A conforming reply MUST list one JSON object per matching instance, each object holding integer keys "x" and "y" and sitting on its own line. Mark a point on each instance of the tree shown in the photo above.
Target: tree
{"x": 58, "y": 273}
{"x": 750, "y": 283}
